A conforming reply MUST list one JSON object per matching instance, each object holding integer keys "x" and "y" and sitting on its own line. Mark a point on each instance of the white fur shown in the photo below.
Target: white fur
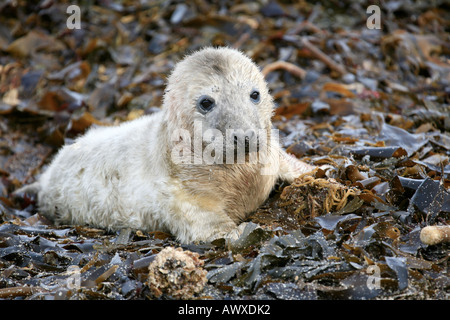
{"x": 123, "y": 177}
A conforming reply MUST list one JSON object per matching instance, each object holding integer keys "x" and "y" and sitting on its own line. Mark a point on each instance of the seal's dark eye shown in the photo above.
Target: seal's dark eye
{"x": 255, "y": 96}
{"x": 206, "y": 103}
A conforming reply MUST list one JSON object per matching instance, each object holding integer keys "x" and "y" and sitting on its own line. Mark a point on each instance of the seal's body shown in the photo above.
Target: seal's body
{"x": 127, "y": 176}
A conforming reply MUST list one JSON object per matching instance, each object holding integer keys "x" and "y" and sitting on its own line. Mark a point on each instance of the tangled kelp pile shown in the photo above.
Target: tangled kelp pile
{"x": 370, "y": 105}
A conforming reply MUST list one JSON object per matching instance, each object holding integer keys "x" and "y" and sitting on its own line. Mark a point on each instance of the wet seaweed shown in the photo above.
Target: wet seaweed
{"x": 369, "y": 105}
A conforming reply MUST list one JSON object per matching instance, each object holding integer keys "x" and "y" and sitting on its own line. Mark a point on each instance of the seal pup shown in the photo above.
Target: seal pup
{"x": 131, "y": 175}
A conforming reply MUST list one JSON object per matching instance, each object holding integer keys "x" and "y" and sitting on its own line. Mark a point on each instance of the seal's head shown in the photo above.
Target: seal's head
{"x": 221, "y": 90}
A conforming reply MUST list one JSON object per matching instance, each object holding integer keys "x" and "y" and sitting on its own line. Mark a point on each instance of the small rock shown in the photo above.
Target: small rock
{"x": 176, "y": 273}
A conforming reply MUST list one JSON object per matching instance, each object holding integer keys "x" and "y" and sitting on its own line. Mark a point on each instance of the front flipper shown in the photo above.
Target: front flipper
{"x": 291, "y": 167}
